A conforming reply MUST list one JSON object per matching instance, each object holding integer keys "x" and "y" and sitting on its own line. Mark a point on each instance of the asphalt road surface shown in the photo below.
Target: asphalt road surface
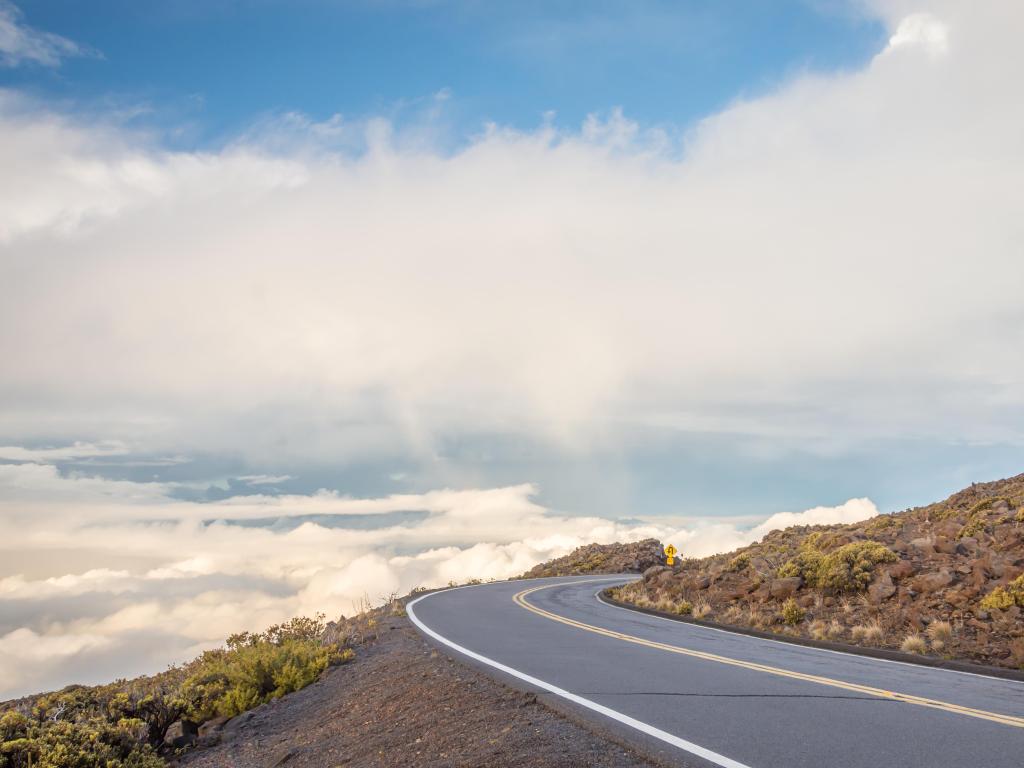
{"x": 700, "y": 696}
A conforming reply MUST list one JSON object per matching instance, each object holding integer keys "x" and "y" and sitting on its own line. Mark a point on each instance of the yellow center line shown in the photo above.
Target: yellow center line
{"x": 906, "y": 698}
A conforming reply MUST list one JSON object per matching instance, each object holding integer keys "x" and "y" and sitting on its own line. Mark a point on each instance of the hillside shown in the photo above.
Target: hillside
{"x": 946, "y": 579}
{"x": 632, "y": 557}
{"x": 364, "y": 691}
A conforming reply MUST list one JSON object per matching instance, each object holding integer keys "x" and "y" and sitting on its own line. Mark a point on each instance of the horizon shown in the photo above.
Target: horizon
{"x": 303, "y": 304}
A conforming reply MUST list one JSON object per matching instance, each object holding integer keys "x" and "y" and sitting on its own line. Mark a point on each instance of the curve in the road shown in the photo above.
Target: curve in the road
{"x": 646, "y": 728}
{"x": 1018, "y": 722}
{"x": 728, "y": 699}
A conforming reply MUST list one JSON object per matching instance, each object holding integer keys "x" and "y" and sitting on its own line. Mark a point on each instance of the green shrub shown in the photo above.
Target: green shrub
{"x": 684, "y": 608}
{"x": 739, "y": 563}
{"x": 792, "y": 613}
{"x": 1002, "y": 598}
{"x": 121, "y": 725}
{"x": 847, "y": 569}
{"x": 255, "y": 669}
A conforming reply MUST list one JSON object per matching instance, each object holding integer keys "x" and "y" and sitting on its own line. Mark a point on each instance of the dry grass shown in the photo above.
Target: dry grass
{"x": 834, "y": 630}
{"x": 701, "y": 608}
{"x": 869, "y": 634}
{"x": 941, "y": 634}
{"x": 914, "y": 643}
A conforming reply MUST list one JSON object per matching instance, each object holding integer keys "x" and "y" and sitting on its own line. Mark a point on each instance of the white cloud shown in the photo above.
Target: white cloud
{"x": 921, "y": 30}
{"x": 768, "y": 280}
{"x": 20, "y": 43}
{"x": 264, "y": 479}
{"x": 192, "y": 583}
{"x": 78, "y": 450}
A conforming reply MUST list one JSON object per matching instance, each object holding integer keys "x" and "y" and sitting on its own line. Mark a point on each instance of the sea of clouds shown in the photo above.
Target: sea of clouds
{"x": 103, "y": 578}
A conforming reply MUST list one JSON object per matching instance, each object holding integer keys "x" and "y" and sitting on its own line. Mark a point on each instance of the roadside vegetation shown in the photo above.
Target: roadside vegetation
{"x": 136, "y": 723}
{"x": 945, "y": 580}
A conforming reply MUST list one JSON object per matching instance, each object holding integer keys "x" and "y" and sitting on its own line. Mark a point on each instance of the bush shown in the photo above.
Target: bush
{"x": 847, "y": 569}
{"x": 792, "y": 613}
{"x": 256, "y": 668}
{"x": 1002, "y": 598}
{"x": 739, "y": 563}
{"x": 122, "y": 725}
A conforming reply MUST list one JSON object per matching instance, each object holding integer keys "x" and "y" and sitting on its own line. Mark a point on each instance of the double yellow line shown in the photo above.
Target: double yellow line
{"x": 881, "y": 693}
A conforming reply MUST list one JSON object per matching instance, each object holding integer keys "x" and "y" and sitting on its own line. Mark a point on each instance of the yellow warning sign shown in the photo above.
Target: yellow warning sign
{"x": 670, "y": 553}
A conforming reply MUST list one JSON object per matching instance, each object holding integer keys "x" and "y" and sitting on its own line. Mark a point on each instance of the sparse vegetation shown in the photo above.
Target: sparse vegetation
{"x": 914, "y": 643}
{"x": 123, "y": 725}
{"x": 792, "y": 613}
{"x": 941, "y": 635}
{"x": 1002, "y": 598}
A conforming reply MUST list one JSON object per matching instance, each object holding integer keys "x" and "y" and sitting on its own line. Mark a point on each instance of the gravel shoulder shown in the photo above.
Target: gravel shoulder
{"x": 403, "y": 702}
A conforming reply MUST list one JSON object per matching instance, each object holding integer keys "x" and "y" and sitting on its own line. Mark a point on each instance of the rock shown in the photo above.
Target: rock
{"x": 235, "y": 723}
{"x": 900, "y": 570}
{"x": 923, "y": 544}
{"x": 280, "y": 758}
{"x": 180, "y": 734}
{"x": 930, "y": 582}
{"x": 210, "y": 731}
{"x": 881, "y": 589}
{"x": 785, "y": 587}
{"x": 967, "y": 546}
{"x": 654, "y": 570}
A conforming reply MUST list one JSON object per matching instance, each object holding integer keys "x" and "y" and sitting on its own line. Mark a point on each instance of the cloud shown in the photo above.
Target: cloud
{"x": 764, "y": 275}
{"x": 193, "y": 582}
{"x": 921, "y": 30}
{"x": 21, "y": 44}
{"x": 78, "y": 450}
{"x": 264, "y": 479}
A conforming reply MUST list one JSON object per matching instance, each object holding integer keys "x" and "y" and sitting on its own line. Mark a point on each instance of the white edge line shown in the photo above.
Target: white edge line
{"x": 650, "y": 730}
{"x": 861, "y": 656}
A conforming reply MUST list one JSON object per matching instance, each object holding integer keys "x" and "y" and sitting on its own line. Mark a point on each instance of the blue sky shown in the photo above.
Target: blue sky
{"x": 211, "y": 68}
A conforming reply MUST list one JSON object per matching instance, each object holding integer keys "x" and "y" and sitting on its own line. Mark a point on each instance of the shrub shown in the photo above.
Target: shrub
{"x": 229, "y": 682}
{"x": 913, "y": 643}
{"x": 122, "y": 724}
{"x": 739, "y": 563}
{"x": 684, "y": 608}
{"x": 1002, "y": 598}
{"x": 847, "y": 569}
{"x": 792, "y": 613}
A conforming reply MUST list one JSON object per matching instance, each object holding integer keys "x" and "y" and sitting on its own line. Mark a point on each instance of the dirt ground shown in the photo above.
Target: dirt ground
{"x": 403, "y": 703}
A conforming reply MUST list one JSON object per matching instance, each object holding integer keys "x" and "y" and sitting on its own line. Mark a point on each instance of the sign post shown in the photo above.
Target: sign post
{"x": 670, "y": 553}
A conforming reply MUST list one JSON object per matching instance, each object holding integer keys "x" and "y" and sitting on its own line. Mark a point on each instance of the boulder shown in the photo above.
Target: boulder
{"x": 931, "y": 582}
{"x": 785, "y": 587}
{"x": 923, "y": 544}
{"x": 180, "y": 734}
{"x": 210, "y": 731}
{"x": 881, "y": 588}
{"x": 654, "y": 570}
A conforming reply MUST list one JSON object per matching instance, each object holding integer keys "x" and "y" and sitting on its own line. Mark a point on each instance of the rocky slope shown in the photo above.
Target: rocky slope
{"x": 633, "y": 557}
{"x": 945, "y": 579}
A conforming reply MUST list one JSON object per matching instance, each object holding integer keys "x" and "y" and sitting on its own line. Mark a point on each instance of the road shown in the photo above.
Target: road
{"x": 701, "y": 696}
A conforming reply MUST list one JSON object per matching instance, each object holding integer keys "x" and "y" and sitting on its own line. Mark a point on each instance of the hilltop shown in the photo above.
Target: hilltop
{"x": 631, "y": 557}
{"x": 946, "y": 579}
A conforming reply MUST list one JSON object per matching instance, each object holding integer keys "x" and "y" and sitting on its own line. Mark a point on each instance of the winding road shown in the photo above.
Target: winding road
{"x": 699, "y": 696}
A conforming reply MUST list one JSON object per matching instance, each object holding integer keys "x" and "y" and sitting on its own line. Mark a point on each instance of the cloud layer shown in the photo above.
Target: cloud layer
{"x": 798, "y": 266}
{"x": 113, "y": 578}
